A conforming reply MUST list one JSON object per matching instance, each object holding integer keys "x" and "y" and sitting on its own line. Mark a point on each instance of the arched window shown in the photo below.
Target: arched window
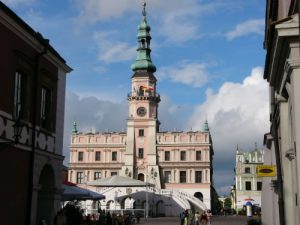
{"x": 199, "y": 195}
{"x": 143, "y": 43}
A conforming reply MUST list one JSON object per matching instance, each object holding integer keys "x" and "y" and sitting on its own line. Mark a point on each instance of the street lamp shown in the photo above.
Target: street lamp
{"x": 17, "y": 127}
{"x": 153, "y": 175}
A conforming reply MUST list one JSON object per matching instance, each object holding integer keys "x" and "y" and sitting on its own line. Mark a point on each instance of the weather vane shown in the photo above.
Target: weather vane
{"x": 144, "y": 8}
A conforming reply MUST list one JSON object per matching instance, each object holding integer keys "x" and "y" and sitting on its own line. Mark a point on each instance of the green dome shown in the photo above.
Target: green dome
{"x": 143, "y": 59}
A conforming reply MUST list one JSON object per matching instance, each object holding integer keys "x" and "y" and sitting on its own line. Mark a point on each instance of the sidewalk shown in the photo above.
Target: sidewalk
{"x": 160, "y": 221}
{"x": 217, "y": 220}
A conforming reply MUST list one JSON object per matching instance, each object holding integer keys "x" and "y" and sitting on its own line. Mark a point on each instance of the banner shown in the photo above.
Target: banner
{"x": 266, "y": 171}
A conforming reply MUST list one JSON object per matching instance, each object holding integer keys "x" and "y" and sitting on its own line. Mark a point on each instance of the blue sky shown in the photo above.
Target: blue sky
{"x": 208, "y": 53}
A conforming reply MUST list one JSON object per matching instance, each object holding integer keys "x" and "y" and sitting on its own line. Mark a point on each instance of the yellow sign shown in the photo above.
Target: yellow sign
{"x": 266, "y": 171}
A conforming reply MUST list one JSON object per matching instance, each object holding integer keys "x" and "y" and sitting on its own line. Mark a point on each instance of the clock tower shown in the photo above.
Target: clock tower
{"x": 142, "y": 124}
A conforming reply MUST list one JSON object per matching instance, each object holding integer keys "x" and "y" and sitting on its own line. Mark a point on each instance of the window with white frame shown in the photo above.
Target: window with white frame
{"x": 182, "y": 176}
{"x": 198, "y": 155}
{"x": 97, "y": 156}
{"x": 141, "y": 153}
{"x": 247, "y": 170}
{"x": 259, "y": 186}
{"x": 97, "y": 175}
{"x": 46, "y": 102}
{"x": 198, "y": 176}
{"x": 19, "y": 94}
{"x": 113, "y": 173}
{"x": 80, "y": 156}
{"x": 141, "y": 133}
{"x": 167, "y": 155}
{"x": 248, "y": 185}
{"x": 79, "y": 178}
{"x": 183, "y": 155}
{"x": 167, "y": 176}
{"x": 114, "y": 156}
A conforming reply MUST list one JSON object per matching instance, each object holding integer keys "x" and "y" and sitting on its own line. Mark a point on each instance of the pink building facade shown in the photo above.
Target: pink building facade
{"x": 176, "y": 162}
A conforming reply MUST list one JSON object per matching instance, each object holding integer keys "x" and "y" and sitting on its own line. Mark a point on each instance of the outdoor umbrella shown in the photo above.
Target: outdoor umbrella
{"x": 72, "y": 192}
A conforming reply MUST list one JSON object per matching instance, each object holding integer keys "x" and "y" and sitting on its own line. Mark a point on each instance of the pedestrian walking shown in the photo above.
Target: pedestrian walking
{"x": 191, "y": 218}
{"x": 203, "y": 219}
{"x": 196, "y": 218}
{"x": 209, "y": 216}
{"x": 186, "y": 217}
{"x": 182, "y": 216}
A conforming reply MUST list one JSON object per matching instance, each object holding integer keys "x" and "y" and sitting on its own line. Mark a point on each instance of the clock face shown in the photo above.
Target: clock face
{"x": 141, "y": 111}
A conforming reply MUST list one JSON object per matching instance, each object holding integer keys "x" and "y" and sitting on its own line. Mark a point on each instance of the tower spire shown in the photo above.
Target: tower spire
{"x": 74, "y": 129}
{"x": 205, "y": 126}
{"x": 143, "y": 60}
{"x": 144, "y": 8}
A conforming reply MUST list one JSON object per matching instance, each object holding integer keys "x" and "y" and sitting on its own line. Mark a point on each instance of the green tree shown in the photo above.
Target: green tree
{"x": 227, "y": 203}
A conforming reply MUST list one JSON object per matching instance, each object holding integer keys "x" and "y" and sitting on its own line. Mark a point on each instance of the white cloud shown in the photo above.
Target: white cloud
{"x": 18, "y": 2}
{"x": 110, "y": 50}
{"x": 189, "y": 73}
{"x": 178, "y": 20}
{"x": 177, "y": 25}
{"x": 255, "y": 26}
{"x": 237, "y": 113}
{"x": 92, "y": 11}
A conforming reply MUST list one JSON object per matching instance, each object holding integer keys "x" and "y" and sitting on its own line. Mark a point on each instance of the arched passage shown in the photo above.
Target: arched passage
{"x": 141, "y": 177}
{"x": 160, "y": 208}
{"x": 45, "y": 203}
{"x": 129, "y": 203}
{"x": 199, "y": 195}
{"x": 110, "y": 205}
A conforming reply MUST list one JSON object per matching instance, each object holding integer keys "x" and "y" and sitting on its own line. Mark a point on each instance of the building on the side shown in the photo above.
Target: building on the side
{"x": 248, "y": 185}
{"x": 179, "y": 164}
{"x": 282, "y": 72}
{"x": 32, "y": 86}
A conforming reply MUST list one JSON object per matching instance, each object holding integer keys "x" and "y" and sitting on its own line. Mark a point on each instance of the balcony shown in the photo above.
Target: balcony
{"x": 150, "y": 96}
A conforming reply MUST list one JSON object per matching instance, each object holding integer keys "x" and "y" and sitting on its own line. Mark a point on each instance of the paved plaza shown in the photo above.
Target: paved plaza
{"x": 217, "y": 220}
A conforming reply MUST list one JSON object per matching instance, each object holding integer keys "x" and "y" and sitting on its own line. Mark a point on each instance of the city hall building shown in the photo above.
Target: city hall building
{"x": 178, "y": 164}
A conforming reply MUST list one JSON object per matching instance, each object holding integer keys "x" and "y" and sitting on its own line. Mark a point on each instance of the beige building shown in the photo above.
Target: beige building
{"x": 179, "y": 164}
{"x": 248, "y": 185}
{"x": 282, "y": 71}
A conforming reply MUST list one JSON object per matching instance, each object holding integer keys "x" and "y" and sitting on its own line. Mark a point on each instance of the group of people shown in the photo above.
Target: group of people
{"x": 72, "y": 214}
{"x": 187, "y": 217}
